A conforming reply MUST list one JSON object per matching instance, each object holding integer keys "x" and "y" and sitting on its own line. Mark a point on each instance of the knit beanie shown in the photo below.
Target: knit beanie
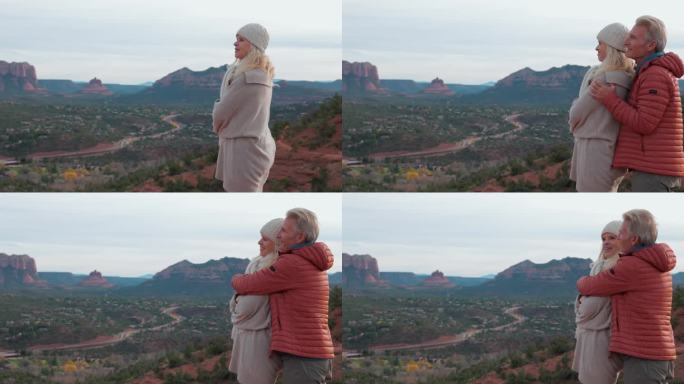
{"x": 612, "y": 227}
{"x": 601, "y": 264}
{"x": 270, "y": 230}
{"x": 614, "y": 35}
{"x": 255, "y": 34}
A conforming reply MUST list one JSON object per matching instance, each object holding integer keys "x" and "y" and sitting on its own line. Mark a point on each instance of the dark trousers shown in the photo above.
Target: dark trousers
{"x": 642, "y": 371}
{"x": 649, "y": 182}
{"x": 304, "y": 370}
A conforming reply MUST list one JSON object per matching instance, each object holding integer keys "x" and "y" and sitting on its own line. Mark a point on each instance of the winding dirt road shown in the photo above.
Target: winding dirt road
{"x": 445, "y": 341}
{"x": 102, "y": 341}
{"x": 444, "y": 148}
{"x": 102, "y": 148}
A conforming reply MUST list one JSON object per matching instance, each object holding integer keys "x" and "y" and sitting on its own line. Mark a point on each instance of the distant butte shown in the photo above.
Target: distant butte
{"x": 437, "y": 87}
{"x": 95, "y": 87}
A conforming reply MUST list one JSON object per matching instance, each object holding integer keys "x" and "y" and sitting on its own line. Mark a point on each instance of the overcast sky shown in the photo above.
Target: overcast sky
{"x": 466, "y": 234}
{"x": 131, "y": 41}
{"x": 135, "y": 234}
{"x": 476, "y": 41}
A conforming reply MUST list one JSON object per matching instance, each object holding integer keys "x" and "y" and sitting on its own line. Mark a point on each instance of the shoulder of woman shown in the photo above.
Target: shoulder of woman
{"x": 253, "y": 265}
{"x": 591, "y": 72}
{"x": 621, "y": 78}
{"x": 258, "y": 76}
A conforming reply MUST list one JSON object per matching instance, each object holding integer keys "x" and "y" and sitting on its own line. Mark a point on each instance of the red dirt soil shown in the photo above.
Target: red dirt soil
{"x": 296, "y": 165}
{"x": 550, "y": 172}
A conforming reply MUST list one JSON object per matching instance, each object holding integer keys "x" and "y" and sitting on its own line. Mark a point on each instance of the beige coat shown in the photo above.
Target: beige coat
{"x": 595, "y": 133}
{"x": 592, "y": 361}
{"x": 251, "y": 334}
{"x": 240, "y": 118}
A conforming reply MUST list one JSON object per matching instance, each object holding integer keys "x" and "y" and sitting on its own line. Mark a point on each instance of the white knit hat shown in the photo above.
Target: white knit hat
{"x": 612, "y": 227}
{"x": 255, "y": 34}
{"x": 270, "y": 230}
{"x": 614, "y": 35}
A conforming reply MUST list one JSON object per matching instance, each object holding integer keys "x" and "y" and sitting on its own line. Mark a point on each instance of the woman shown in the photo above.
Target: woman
{"x": 591, "y": 124}
{"x": 592, "y": 359}
{"x": 251, "y": 318}
{"x": 240, "y": 117}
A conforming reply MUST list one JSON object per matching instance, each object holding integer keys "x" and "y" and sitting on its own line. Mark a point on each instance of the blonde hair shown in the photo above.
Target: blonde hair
{"x": 642, "y": 224}
{"x": 255, "y": 59}
{"x": 261, "y": 262}
{"x": 615, "y": 61}
{"x": 655, "y": 30}
{"x": 268, "y": 260}
{"x": 306, "y": 222}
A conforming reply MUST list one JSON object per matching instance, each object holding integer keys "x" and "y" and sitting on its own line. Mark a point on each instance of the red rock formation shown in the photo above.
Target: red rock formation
{"x": 19, "y": 270}
{"x": 18, "y": 78}
{"x": 360, "y": 270}
{"x": 209, "y": 78}
{"x": 95, "y": 87}
{"x": 564, "y": 77}
{"x": 555, "y": 270}
{"x": 437, "y": 87}
{"x": 95, "y": 279}
{"x": 360, "y": 77}
{"x": 437, "y": 279}
{"x": 211, "y": 271}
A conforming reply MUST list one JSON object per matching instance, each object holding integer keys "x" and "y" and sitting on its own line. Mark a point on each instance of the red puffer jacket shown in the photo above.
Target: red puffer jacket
{"x": 651, "y": 137}
{"x": 640, "y": 287}
{"x": 298, "y": 287}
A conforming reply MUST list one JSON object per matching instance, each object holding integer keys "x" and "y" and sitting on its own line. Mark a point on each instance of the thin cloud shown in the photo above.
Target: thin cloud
{"x": 474, "y": 234}
{"x": 132, "y": 42}
{"x": 135, "y": 234}
{"x": 479, "y": 41}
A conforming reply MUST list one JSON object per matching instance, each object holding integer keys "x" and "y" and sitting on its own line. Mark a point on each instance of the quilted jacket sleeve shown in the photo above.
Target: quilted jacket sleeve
{"x": 281, "y": 276}
{"x": 619, "y": 279}
{"x": 652, "y": 99}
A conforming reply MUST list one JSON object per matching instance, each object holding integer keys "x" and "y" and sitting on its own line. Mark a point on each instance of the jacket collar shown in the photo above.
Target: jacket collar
{"x": 644, "y": 63}
{"x": 298, "y": 246}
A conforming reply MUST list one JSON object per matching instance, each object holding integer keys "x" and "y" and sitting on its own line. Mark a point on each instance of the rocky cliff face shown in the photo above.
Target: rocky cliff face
{"x": 18, "y": 270}
{"x": 210, "y": 78}
{"x": 437, "y": 87}
{"x": 360, "y": 77}
{"x": 437, "y": 279}
{"x": 558, "y": 85}
{"x": 360, "y": 270}
{"x": 210, "y": 279}
{"x": 213, "y": 271}
{"x": 565, "y": 77}
{"x": 556, "y": 278}
{"x": 95, "y": 279}
{"x": 18, "y": 78}
{"x": 183, "y": 86}
{"x": 95, "y": 87}
{"x": 565, "y": 270}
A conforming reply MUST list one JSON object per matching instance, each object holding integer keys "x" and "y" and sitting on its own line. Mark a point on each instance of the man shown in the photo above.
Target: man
{"x": 298, "y": 287}
{"x": 640, "y": 287}
{"x": 650, "y": 142}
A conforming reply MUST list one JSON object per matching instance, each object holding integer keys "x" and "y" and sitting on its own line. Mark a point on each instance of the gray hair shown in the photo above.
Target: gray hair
{"x": 642, "y": 224}
{"x": 306, "y": 222}
{"x": 655, "y": 30}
